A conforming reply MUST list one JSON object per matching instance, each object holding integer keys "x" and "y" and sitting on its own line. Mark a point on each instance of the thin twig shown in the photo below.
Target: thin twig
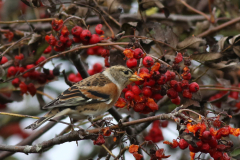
{"x": 42, "y": 93}
{"x": 212, "y": 30}
{"x": 29, "y": 21}
{"x": 194, "y": 10}
{"x": 108, "y": 151}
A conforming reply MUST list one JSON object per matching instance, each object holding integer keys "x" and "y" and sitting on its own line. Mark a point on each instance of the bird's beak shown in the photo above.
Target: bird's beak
{"x": 134, "y": 78}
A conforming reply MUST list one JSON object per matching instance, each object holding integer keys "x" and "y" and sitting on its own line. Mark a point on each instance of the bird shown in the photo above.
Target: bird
{"x": 89, "y": 97}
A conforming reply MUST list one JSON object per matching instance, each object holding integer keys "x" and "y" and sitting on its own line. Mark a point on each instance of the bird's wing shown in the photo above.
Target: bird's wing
{"x": 88, "y": 91}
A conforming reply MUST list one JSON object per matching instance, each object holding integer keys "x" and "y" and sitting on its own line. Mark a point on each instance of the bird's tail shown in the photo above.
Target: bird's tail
{"x": 55, "y": 112}
{"x": 38, "y": 123}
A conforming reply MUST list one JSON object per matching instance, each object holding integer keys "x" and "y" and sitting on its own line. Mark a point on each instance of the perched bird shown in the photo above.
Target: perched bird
{"x": 92, "y": 96}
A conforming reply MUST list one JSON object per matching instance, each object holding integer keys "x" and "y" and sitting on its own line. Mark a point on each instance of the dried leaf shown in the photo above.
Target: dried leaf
{"x": 165, "y": 34}
{"x": 2, "y": 71}
{"x": 191, "y": 42}
{"x": 190, "y": 102}
{"x": 221, "y": 65}
{"x": 208, "y": 56}
{"x": 221, "y": 43}
{"x": 235, "y": 42}
{"x": 133, "y": 148}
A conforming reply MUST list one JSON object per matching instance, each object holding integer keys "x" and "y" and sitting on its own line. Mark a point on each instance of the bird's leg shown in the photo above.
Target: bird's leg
{"x": 90, "y": 119}
{"x": 71, "y": 120}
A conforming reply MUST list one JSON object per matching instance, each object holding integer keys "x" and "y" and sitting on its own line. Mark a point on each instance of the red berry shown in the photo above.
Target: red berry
{"x": 30, "y": 66}
{"x": 146, "y": 91}
{"x": 77, "y": 79}
{"x": 136, "y": 90}
{"x": 144, "y": 70}
{"x": 4, "y": 60}
{"x": 138, "y": 53}
{"x": 97, "y": 67}
{"x": 68, "y": 43}
{"x": 170, "y": 75}
{"x": 16, "y": 82}
{"x": 199, "y": 144}
{"x": 76, "y": 31}
{"x": 152, "y": 104}
{"x": 63, "y": 39}
{"x": 57, "y": 24}
{"x": 184, "y": 84}
{"x": 64, "y": 31}
{"x": 100, "y": 50}
{"x": 99, "y": 30}
{"x": 176, "y": 101}
{"x": 186, "y": 76}
{"x": 157, "y": 96}
{"x": 164, "y": 124}
{"x": 59, "y": 46}
{"x": 131, "y": 63}
{"x": 47, "y": 50}
{"x": 206, "y": 135}
{"x": 193, "y": 149}
{"x": 138, "y": 107}
{"x": 104, "y": 53}
{"x": 85, "y": 36}
{"x": 178, "y": 58}
{"x": 183, "y": 144}
{"x": 50, "y": 40}
{"x": 91, "y": 51}
{"x": 205, "y": 148}
{"x": 23, "y": 87}
{"x": 149, "y": 82}
{"x": 217, "y": 155}
{"x": 129, "y": 95}
{"x": 148, "y": 61}
{"x": 193, "y": 87}
{"x": 94, "y": 39}
{"x": 91, "y": 72}
{"x": 178, "y": 87}
{"x": 76, "y": 39}
{"x": 31, "y": 89}
{"x": 40, "y": 60}
{"x": 187, "y": 94}
{"x": 12, "y": 71}
{"x": 71, "y": 77}
{"x": 172, "y": 93}
{"x": 173, "y": 83}
{"x": 19, "y": 57}
{"x": 213, "y": 142}
{"x": 162, "y": 80}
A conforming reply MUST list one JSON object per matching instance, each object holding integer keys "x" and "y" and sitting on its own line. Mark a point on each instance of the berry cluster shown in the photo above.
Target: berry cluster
{"x": 80, "y": 35}
{"x": 232, "y": 94}
{"x": 209, "y": 140}
{"x": 133, "y": 56}
{"x": 158, "y": 81}
{"x": 97, "y": 68}
{"x": 32, "y": 76}
{"x": 155, "y": 154}
{"x": 155, "y": 134}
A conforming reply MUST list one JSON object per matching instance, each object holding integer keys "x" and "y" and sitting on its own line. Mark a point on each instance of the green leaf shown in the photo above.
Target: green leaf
{"x": 235, "y": 152}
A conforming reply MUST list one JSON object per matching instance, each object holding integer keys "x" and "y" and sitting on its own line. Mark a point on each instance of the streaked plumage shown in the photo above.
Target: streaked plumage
{"x": 90, "y": 97}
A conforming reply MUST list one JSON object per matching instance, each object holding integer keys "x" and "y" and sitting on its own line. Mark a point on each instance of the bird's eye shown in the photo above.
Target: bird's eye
{"x": 126, "y": 72}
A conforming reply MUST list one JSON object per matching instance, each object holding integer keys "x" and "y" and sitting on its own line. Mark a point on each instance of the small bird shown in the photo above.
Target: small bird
{"x": 92, "y": 96}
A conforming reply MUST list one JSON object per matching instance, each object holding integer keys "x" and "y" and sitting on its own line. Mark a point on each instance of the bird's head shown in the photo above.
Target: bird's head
{"x": 122, "y": 75}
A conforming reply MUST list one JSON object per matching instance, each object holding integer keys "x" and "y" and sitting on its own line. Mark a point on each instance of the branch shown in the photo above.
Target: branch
{"x": 79, "y": 65}
{"x": 29, "y": 139}
{"x": 212, "y": 30}
{"x": 194, "y": 10}
{"x": 73, "y": 136}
